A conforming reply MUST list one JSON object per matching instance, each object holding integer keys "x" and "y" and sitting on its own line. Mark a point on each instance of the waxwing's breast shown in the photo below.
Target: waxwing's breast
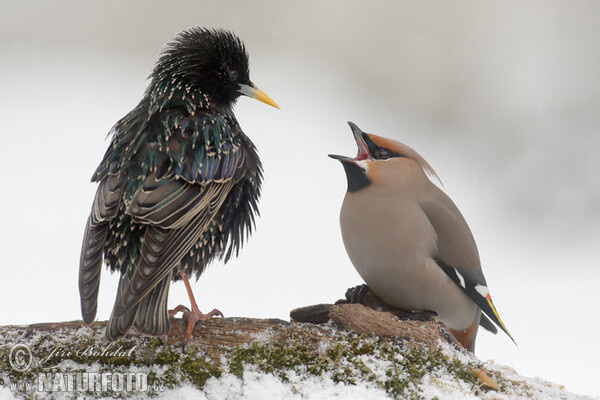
{"x": 390, "y": 242}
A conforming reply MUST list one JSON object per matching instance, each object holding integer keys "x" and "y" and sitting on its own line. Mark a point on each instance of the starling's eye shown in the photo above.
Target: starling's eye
{"x": 382, "y": 154}
{"x": 233, "y": 75}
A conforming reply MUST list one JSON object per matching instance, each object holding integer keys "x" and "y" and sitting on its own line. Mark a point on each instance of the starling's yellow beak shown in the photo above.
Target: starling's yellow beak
{"x": 256, "y": 93}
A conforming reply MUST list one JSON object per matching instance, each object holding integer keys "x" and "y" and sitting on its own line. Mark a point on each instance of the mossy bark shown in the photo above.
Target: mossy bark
{"x": 362, "y": 346}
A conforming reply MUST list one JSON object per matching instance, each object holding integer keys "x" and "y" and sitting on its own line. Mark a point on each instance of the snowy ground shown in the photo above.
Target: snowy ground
{"x": 257, "y": 385}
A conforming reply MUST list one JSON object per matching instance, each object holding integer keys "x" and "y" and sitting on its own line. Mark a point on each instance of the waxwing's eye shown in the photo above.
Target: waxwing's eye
{"x": 382, "y": 154}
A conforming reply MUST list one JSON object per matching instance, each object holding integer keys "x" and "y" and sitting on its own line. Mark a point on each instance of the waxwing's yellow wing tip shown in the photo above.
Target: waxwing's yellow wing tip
{"x": 501, "y": 324}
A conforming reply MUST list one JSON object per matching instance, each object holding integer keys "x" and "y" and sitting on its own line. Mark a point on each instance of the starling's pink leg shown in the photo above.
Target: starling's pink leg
{"x": 195, "y": 314}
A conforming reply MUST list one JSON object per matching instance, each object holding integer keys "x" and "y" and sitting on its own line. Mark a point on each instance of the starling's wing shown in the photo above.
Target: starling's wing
{"x": 171, "y": 203}
{"x": 177, "y": 214}
{"x": 104, "y": 209}
{"x": 458, "y": 257}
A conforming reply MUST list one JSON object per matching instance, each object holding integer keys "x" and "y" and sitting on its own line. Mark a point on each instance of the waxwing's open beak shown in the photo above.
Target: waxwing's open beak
{"x": 359, "y": 136}
{"x": 341, "y": 158}
{"x": 254, "y": 92}
{"x": 363, "y": 148}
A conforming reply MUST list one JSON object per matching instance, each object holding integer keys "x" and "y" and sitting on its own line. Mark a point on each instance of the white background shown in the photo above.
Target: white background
{"x": 502, "y": 98}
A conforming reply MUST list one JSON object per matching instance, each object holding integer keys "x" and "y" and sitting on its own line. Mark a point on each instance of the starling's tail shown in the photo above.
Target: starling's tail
{"x": 90, "y": 265}
{"x": 119, "y": 326}
{"x": 152, "y": 316}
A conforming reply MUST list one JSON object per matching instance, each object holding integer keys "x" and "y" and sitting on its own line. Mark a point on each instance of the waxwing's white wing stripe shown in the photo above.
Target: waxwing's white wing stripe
{"x": 461, "y": 280}
{"x": 482, "y": 290}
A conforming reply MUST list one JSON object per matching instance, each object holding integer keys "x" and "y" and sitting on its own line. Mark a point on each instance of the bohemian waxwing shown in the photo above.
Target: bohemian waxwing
{"x": 408, "y": 241}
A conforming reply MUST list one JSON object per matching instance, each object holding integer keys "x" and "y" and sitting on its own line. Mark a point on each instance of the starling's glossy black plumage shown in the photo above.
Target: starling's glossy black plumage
{"x": 178, "y": 185}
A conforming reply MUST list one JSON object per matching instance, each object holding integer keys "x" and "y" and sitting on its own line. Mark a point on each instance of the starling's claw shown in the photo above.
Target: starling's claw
{"x": 179, "y": 309}
{"x": 191, "y": 316}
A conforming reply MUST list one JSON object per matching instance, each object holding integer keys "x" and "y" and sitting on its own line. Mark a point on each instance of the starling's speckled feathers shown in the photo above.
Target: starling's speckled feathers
{"x": 178, "y": 185}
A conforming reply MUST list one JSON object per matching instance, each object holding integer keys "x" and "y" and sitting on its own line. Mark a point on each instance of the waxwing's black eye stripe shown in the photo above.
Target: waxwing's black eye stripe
{"x": 383, "y": 153}
{"x": 376, "y": 151}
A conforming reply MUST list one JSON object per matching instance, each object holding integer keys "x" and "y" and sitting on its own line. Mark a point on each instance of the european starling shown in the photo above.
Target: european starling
{"x": 178, "y": 185}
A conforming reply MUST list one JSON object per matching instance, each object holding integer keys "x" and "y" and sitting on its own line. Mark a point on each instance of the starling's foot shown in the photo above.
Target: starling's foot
{"x": 191, "y": 317}
{"x": 194, "y": 316}
{"x": 417, "y": 315}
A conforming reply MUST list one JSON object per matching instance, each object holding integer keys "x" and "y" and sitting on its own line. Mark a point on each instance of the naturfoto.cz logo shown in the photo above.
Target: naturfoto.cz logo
{"x": 87, "y": 382}
{"x": 21, "y": 359}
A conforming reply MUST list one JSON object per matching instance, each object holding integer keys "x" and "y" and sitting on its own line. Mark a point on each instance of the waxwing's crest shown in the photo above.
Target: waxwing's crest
{"x": 405, "y": 151}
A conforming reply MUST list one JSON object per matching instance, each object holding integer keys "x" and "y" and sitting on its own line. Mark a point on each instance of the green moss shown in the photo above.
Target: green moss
{"x": 405, "y": 374}
{"x": 344, "y": 359}
{"x": 273, "y": 357}
{"x": 198, "y": 371}
{"x": 166, "y": 356}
